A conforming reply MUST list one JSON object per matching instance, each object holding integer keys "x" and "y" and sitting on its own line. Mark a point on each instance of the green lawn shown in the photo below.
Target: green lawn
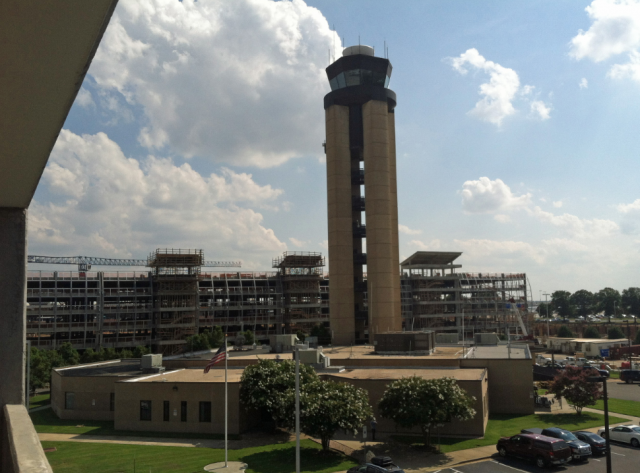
{"x": 508, "y": 425}
{"x": 76, "y": 457}
{"x": 620, "y": 406}
{"x": 614, "y": 374}
{"x": 40, "y": 400}
{"x": 46, "y": 422}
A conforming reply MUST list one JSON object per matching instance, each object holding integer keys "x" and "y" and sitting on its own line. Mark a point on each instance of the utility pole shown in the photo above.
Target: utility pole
{"x": 546, "y": 298}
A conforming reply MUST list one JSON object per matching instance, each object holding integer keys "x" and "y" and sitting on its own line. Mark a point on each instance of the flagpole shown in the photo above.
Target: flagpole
{"x": 226, "y": 411}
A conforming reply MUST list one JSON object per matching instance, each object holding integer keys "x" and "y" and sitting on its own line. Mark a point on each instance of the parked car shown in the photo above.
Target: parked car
{"x": 545, "y": 451}
{"x": 596, "y": 371}
{"x": 377, "y": 465}
{"x": 579, "y": 449}
{"x": 623, "y": 433}
{"x": 629, "y": 376}
{"x": 597, "y": 443}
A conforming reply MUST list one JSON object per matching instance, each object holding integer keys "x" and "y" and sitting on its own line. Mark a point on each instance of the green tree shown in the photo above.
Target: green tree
{"x": 198, "y": 342}
{"x": 615, "y": 333}
{"x": 543, "y": 309}
{"x": 323, "y": 334}
{"x": 215, "y": 337}
{"x": 573, "y": 384}
{"x": 591, "y": 332}
{"x": 69, "y": 355}
{"x": 249, "y": 338}
{"x": 582, "y": 300}
{"x": 301, "y": 335}
{"x": 108, "y": 354}
{"x": 89, "y": 356}
{"x": 125, "y": 353}
{"x": 561, "y": 303}
{"x": 264, "y": 386}
{"x": 327, "y": 407}
{"x": 418, "y": 402}
{"x": 631, "y": 300}
{"x": 140, "y": 350}
{"x": 636, "y": 341}
{"x": 564, "y": 332}
{"x": 39, "y": 369}
{"x": 606, "y": 300}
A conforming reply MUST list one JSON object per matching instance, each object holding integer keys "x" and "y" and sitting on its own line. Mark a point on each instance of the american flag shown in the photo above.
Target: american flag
{"x": 220, "y": 355}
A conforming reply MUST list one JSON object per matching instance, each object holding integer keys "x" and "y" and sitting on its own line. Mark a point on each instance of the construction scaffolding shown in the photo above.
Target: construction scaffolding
{"x": 175, "y": 302}
{"x": 300, "y": 274}
{"x": 436, "y": 297}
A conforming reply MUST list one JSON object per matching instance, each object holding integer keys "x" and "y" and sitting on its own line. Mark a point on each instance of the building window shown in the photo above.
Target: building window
{"x": 166, "y": 411}
{"x": 183, "y": 411}
{"x": 70, "y": 401}
{"x": 112, "y": 402}
{"x": 145, "y": 410}
{"x": 205, "y": 411}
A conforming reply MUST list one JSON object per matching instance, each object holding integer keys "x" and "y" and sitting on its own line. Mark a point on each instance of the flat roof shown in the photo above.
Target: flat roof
{"x": 196, "y": 375}
{"x": 500, "y": 352}
{"x": 431, "y": 257}
{"x": 126, "y": 367}
{"x": 461, "y": 374}
{"x": 599, "y": 340}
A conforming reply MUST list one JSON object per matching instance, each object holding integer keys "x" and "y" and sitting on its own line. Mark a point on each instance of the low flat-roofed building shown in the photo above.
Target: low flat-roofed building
{"x": 184, "y": 400}
{"x": 87, "y": 391}
{"x": 588, "y": 346}
{"x": 474, "y": 381}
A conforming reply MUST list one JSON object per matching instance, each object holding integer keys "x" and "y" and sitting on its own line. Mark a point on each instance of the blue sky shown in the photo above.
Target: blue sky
{"x": 201, "y": 124}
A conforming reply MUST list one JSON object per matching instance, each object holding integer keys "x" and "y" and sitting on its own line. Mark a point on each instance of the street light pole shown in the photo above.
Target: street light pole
{"x": 297, "y": 355}
{"x": 546, "y": 298}
{"x": 606, "y": 422}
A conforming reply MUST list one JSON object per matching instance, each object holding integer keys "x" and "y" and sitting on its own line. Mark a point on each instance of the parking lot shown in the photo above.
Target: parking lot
{"x": 623, "y": 459}
{"x": 620, "y": 390}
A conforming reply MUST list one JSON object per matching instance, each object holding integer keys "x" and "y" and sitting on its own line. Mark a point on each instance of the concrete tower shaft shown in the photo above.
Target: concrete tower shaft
{"x": 361, "y": 178}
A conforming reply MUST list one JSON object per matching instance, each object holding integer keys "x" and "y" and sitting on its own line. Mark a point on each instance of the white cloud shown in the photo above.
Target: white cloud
{"x": 298, "y": 243}
{"x": 433, "y": 245}
{"x": 629, "y": 208}
{"x": 557, "y": 204}
{"x": 84, "y": 99}
{"x": 483, "y": 250}
{"x": 103, "y": 202}
{"x": 502, "y": 218}
{"x": 614, "y": 30}
{"x": 575, "y": 226}
{"x": 408, "y": 231}
{"x": 501, "y": 90}
{"x": 584, "y": 84}
{"x": 487, "y": 196}
{"x": 236, "y": 82}
{"x": 324, "y": 244}
{"x": 540, "y": 110}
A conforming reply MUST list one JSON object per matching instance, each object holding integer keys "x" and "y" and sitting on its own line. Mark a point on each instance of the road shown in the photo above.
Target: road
{"x": 620, "y": 390}
{"x": 623, "y": 459}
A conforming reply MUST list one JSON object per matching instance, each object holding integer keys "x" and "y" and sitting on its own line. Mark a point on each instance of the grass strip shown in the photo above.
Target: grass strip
{"x": 508, "y": 425}
{"x": 620, "y": 406}
{"x": 39, "y": 401}
{"x": 46, "y": 422}
{"x": 81, "y": 457}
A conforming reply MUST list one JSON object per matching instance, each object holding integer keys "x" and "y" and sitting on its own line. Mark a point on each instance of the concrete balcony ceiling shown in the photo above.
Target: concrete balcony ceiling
{"x": 46, "y": 47}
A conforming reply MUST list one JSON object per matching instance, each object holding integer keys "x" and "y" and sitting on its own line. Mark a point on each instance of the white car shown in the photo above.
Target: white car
{"x": 624, "y": 433}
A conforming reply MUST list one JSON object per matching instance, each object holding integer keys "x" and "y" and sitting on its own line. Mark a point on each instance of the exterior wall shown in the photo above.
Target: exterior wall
{"x": 92, "y": 396}
{"x": 129, "y": 395}
{"x": 472, "y": 428}
{"x": 341, "y": 303}
{"x": 383, "y": 277}
{"x": 510, "y": 386}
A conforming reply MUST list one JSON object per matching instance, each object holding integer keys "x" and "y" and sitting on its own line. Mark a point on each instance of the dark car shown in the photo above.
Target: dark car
{"x": 629, "y": 376}
{"x": 543, "y": 450}
{"x": 596, "y": 371}
{"x": 377, "y": 465}
{"x": 597, "y": 443}
{"x": 579, "y": 449}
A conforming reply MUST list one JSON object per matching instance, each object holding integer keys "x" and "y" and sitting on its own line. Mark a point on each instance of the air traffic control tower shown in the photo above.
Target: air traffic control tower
{"x": 362, "y": 198}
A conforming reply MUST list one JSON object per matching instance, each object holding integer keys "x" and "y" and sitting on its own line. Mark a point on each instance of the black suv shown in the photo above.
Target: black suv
{"x": 629, "y": 376}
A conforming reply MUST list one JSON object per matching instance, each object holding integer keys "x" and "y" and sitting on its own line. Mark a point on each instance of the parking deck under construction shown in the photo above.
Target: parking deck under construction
{"x": 176, "y": 298}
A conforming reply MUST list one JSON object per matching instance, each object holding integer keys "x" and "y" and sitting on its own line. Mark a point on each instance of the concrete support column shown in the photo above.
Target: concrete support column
{"x": 395, "y": 246}
{"x": 383, "y": 281}
{"x": 341, "y": 282}
{"x": 13, "y": 283}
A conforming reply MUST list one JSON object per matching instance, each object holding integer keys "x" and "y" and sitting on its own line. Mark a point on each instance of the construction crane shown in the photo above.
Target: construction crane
{"x": 85, "y": 262}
